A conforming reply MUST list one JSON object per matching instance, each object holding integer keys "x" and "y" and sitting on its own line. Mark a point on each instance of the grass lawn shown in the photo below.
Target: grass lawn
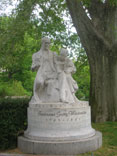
{"x": 109, "y": 133}
{"x": 109, "y": 147}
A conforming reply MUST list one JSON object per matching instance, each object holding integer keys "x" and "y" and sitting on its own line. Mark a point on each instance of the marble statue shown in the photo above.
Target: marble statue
{"x": 54, "y": 82}
{"x": 44, "y": 89}
{"x": 67, "y": 85}
{"x": 58, "y": 123}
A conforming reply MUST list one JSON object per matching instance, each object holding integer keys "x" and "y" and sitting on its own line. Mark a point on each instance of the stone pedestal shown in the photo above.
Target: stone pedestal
{"x": 59, "y": 128}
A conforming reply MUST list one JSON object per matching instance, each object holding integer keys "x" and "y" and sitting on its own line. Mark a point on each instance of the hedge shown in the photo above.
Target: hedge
{"x": 13, "y": 121}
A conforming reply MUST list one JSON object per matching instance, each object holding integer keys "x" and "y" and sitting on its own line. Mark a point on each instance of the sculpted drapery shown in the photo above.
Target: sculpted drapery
{"x": 53, "y": 82}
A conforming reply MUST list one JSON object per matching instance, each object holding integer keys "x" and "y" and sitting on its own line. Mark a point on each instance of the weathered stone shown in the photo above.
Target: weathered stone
{"x": 60, "y": 147}
{"x": 58, "y": 123}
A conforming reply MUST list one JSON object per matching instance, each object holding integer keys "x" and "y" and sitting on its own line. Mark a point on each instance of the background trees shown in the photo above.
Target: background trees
{"x": 95, "y": 22}
{"x": 21, "y": 34}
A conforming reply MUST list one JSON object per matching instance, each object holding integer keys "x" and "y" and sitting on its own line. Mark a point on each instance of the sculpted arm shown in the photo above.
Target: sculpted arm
{"x": 35, "y": 62}
{"x": 69, "y": 67}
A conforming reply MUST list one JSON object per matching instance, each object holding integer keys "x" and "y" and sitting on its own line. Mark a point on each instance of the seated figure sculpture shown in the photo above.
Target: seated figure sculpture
{"x": 58, "y": 123}
{"x": 68, "y": 86}
{"x": 44, "y": 89}
{"x": 53, "y": 82}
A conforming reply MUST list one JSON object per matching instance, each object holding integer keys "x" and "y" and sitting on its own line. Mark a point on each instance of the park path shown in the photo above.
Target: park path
{"x": 17, "y": 152}
{"x": 6, "y": 154}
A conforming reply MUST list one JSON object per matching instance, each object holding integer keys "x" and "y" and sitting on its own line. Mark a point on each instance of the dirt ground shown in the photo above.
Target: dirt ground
{"x": 17, "y": 152}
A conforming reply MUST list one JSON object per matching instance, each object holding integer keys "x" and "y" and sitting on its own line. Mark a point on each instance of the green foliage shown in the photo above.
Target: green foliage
{"x": 82, "y": 75}
{"x": 83, "y": 81}
{"x": 13, "y": 121}
{"x": 87, "y": 3}
{"x": 14, "y": 88}
{"x": 20, "y": 37}
{"x": 48, "y": 21}
{"x": 113, "y": 2}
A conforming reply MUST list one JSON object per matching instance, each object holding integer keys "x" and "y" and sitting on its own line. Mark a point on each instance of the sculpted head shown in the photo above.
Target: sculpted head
{"x": 45, "y": 43}
{"x": 64, "y": 52}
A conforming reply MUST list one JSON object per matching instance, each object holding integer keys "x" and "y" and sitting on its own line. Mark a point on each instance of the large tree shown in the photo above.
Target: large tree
{"x": 96, "y": 25}
{"x": 48, "y": 21}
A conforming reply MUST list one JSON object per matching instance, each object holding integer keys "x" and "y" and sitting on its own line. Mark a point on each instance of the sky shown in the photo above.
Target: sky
{"x": 7, "y": 8}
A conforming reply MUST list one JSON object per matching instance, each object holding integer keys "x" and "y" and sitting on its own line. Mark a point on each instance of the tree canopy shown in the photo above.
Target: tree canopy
{"x": 96, "y": 24}
{"x": 21, "y": 33}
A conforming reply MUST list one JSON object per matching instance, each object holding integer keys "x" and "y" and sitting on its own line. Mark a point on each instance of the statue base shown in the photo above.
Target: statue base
{"x": 59, "y": 128}
{"x": 60, "y": 147}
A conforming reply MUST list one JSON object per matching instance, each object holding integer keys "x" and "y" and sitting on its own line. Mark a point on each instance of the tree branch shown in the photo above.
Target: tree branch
{"x": 95, "y": 8}
{"x": 84, "y": 25}
{"x": 79, "y": 19}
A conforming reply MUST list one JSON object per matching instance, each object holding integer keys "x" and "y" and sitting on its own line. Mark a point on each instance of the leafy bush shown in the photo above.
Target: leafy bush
{"x": 13, "y": 121}
{"x": 13, "y": 88}
{"x": 82, "y": 77}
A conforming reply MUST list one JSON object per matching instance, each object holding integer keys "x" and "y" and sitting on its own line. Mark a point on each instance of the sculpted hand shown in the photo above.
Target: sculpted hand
{"x": 33, "y": 69}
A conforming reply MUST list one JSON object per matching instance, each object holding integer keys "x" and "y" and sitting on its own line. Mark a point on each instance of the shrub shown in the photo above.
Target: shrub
{"x": 13, "y": 121}
{"x": 13, "y": 88}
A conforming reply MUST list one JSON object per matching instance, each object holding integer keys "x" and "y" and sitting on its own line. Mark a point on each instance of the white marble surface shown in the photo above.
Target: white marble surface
{"x": 53, "y": 82}
{"x": 59, "y": 121}
{"x": 64, "y": 147}
{"x": 56, "y": 118}
{"x": 54, "y": 112}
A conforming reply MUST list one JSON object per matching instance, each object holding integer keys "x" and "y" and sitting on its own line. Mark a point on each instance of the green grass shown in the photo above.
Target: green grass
{"x": 109, "y": 132}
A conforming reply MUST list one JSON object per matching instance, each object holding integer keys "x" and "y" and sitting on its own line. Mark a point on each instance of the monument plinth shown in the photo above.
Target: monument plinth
{"x": 58, "y": 123}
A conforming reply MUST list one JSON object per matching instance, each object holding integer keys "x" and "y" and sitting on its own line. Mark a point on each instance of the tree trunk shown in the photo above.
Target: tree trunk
{"x": 98, "y": 37}
{"x": 103, "y": 90}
